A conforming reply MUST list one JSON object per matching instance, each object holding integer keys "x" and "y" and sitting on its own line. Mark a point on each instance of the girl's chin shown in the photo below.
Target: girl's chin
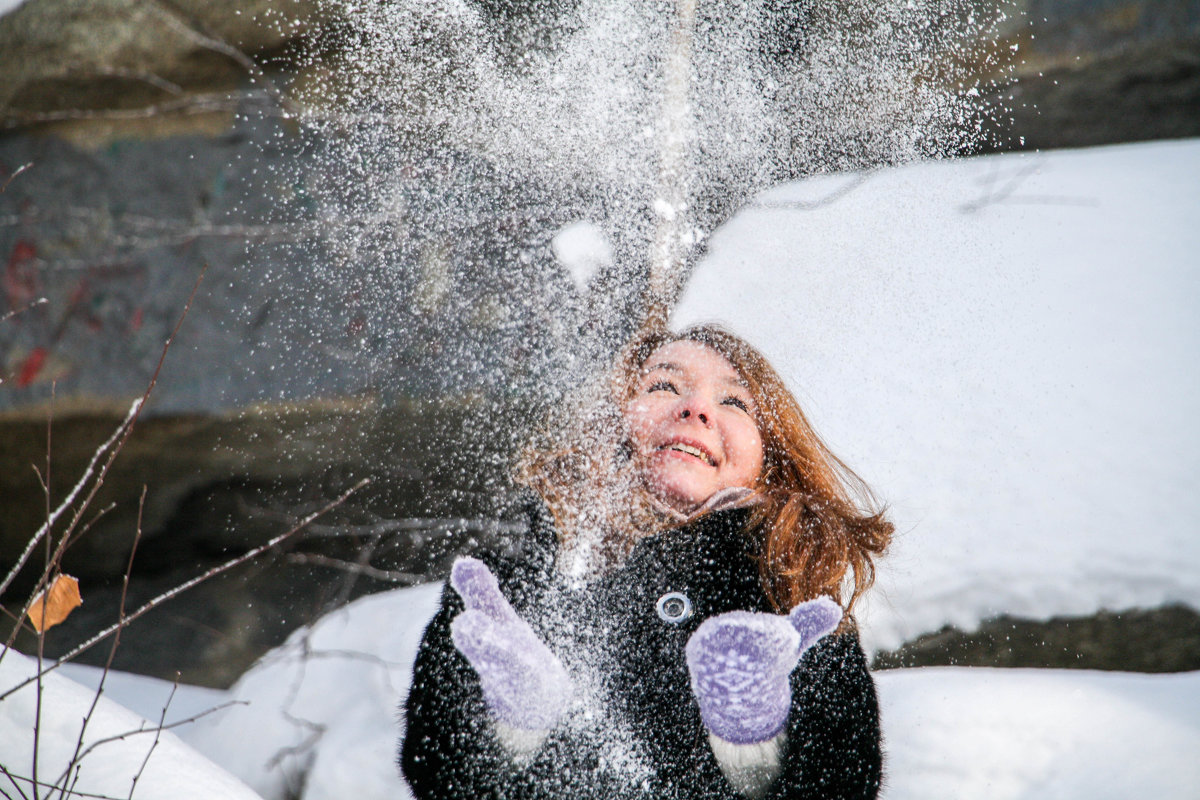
{"x": 679, "y": 495}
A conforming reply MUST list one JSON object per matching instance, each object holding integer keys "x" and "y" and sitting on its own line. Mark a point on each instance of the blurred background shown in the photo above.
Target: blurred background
{"x": 387, "y": 286}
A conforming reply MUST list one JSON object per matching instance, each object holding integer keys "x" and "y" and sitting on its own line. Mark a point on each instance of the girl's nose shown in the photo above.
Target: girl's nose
{"x": 697, "y": 408}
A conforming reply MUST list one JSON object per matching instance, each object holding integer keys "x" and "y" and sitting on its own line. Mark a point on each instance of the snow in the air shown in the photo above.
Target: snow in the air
{"x": 1004, "y": 347}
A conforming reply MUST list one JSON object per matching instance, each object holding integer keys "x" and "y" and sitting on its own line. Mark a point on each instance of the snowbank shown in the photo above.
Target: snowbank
{"x": 1025, "y": 734}
{"x": 1005, "y": 348}
{"x": 164, "y": 767}
{"x": 321, "y": 711}
{"x": 320, "y": 721}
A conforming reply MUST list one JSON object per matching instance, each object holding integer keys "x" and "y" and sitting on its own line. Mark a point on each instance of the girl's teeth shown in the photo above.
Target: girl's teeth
{"x": 692, "y": 451}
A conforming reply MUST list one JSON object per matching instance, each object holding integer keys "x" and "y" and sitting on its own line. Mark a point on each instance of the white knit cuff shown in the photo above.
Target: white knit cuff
{"x": 519, "y": 743}
{"x": 749, "y": 768}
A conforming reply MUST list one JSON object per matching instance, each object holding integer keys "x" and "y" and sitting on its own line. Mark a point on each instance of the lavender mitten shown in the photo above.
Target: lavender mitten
{"x": 740, "y": 662}
{"x": 524, "y": 684}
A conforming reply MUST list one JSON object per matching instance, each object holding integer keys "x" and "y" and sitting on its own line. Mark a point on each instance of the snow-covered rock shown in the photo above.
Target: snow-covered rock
{"x": 1005, "y": 348}
{"x": 105, "y": 756}
{"x": 320, "y": 718}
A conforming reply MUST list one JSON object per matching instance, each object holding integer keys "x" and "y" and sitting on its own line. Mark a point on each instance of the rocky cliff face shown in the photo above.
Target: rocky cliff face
{"x": 145, "y": 141}
{"x": 1093, "y": 72}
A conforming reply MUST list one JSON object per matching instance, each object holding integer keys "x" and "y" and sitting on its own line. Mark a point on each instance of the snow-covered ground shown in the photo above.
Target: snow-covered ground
{"x": 1005, "y": 349}
{"x": 319, "y": 718}
{"x": 108, "y": 752}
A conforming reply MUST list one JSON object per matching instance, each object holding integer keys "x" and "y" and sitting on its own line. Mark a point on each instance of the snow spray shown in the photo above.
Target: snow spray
{"x": 507, "y": 190}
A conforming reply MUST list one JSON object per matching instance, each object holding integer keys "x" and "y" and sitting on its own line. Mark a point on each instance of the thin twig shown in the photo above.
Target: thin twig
{"x": 183, "y": 587}
{"x": 48, "y": 570}
{"x": 16, "y": 172}
{"x": 65, "y": 504}
{"x": 74, "y": 792}
{"x": 162, "y": 719}
{"x": 162, "y": 726}
{"x": 40, "y": 301}
{"x": 123, "y": 433}
{"x": 112, "y": 651}
{"x": 355, "y": 568}
{"x": 13, "y": 780}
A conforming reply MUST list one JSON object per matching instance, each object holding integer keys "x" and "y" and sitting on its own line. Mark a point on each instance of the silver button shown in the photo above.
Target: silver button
{"x": 673, "y": 607}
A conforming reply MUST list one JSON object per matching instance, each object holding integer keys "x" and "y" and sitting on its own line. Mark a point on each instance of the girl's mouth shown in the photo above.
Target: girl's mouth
{"x": 691, "y": 450}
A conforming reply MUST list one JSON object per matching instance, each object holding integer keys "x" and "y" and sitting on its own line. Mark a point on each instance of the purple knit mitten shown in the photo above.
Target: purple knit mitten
{"x": 740, "y": 662}
{"x": 524, "y": 684}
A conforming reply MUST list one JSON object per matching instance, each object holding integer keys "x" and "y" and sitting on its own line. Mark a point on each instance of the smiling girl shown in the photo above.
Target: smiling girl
{"x": 677, "y": 621}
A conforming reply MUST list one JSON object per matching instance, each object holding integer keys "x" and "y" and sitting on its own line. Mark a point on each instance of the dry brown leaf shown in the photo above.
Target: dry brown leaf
{"x": 63, "y": 598}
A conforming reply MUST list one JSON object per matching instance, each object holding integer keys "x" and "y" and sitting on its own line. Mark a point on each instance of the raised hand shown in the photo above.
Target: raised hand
{"x": 740, "y": 662}
{"x": 524, "y": 684}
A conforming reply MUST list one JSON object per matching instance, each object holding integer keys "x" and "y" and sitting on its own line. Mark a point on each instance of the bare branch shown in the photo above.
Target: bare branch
{"x": 384, "y": 527}
{"x": 195, "y": 104}
{"x": 39, "y": 302}
{"x": 118, "y": 439}
{"x": 159, "y": 728}
{"x": 112, "y": 651}
{"x": 157, "y": 736}
{"x": 13, "y": 780}
{"x": 183, "y": 587}
{"x": 191, "y": 29}
{"x": 74, "y": 493}
{"x": 16, "y": 172}
{"x": 355, "y": 568}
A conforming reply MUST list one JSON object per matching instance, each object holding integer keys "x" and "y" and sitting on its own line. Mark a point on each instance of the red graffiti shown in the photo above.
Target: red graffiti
{"x": 31, "y": 366}
{"x": 20, "y": 275}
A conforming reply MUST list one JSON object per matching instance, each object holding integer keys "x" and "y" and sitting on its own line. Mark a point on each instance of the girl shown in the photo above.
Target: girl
{"x": 677, "y": 622}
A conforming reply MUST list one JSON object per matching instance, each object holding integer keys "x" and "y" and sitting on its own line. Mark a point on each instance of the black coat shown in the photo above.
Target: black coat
{"x": 638, "y": 733}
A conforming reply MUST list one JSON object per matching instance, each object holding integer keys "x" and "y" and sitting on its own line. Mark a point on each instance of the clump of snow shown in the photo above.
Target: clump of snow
{"x": 582, "y": 249}
{"x": 115, "y": 747}
{"x": 1004, "y": 348}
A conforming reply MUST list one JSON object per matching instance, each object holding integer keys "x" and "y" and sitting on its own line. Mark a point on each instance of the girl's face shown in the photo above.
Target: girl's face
{"x": 693, "y": 425}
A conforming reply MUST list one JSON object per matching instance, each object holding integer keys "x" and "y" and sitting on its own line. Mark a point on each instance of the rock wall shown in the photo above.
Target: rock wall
{"x": 1092, "y": 72}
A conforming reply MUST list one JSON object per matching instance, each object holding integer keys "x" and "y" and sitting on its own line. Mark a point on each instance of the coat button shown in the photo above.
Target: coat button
{"x": 673, "y": 607}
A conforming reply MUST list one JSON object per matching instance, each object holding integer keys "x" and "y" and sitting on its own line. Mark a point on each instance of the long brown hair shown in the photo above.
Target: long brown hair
{"x": 818, "y": 523}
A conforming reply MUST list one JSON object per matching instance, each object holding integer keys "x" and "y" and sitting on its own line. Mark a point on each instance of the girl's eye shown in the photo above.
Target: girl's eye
{"x": 662, "y": 386}
{"x": 737, "y": 402}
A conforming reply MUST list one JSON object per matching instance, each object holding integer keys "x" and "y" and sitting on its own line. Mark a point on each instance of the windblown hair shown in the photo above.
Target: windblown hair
{"x": 818, "y": 525}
